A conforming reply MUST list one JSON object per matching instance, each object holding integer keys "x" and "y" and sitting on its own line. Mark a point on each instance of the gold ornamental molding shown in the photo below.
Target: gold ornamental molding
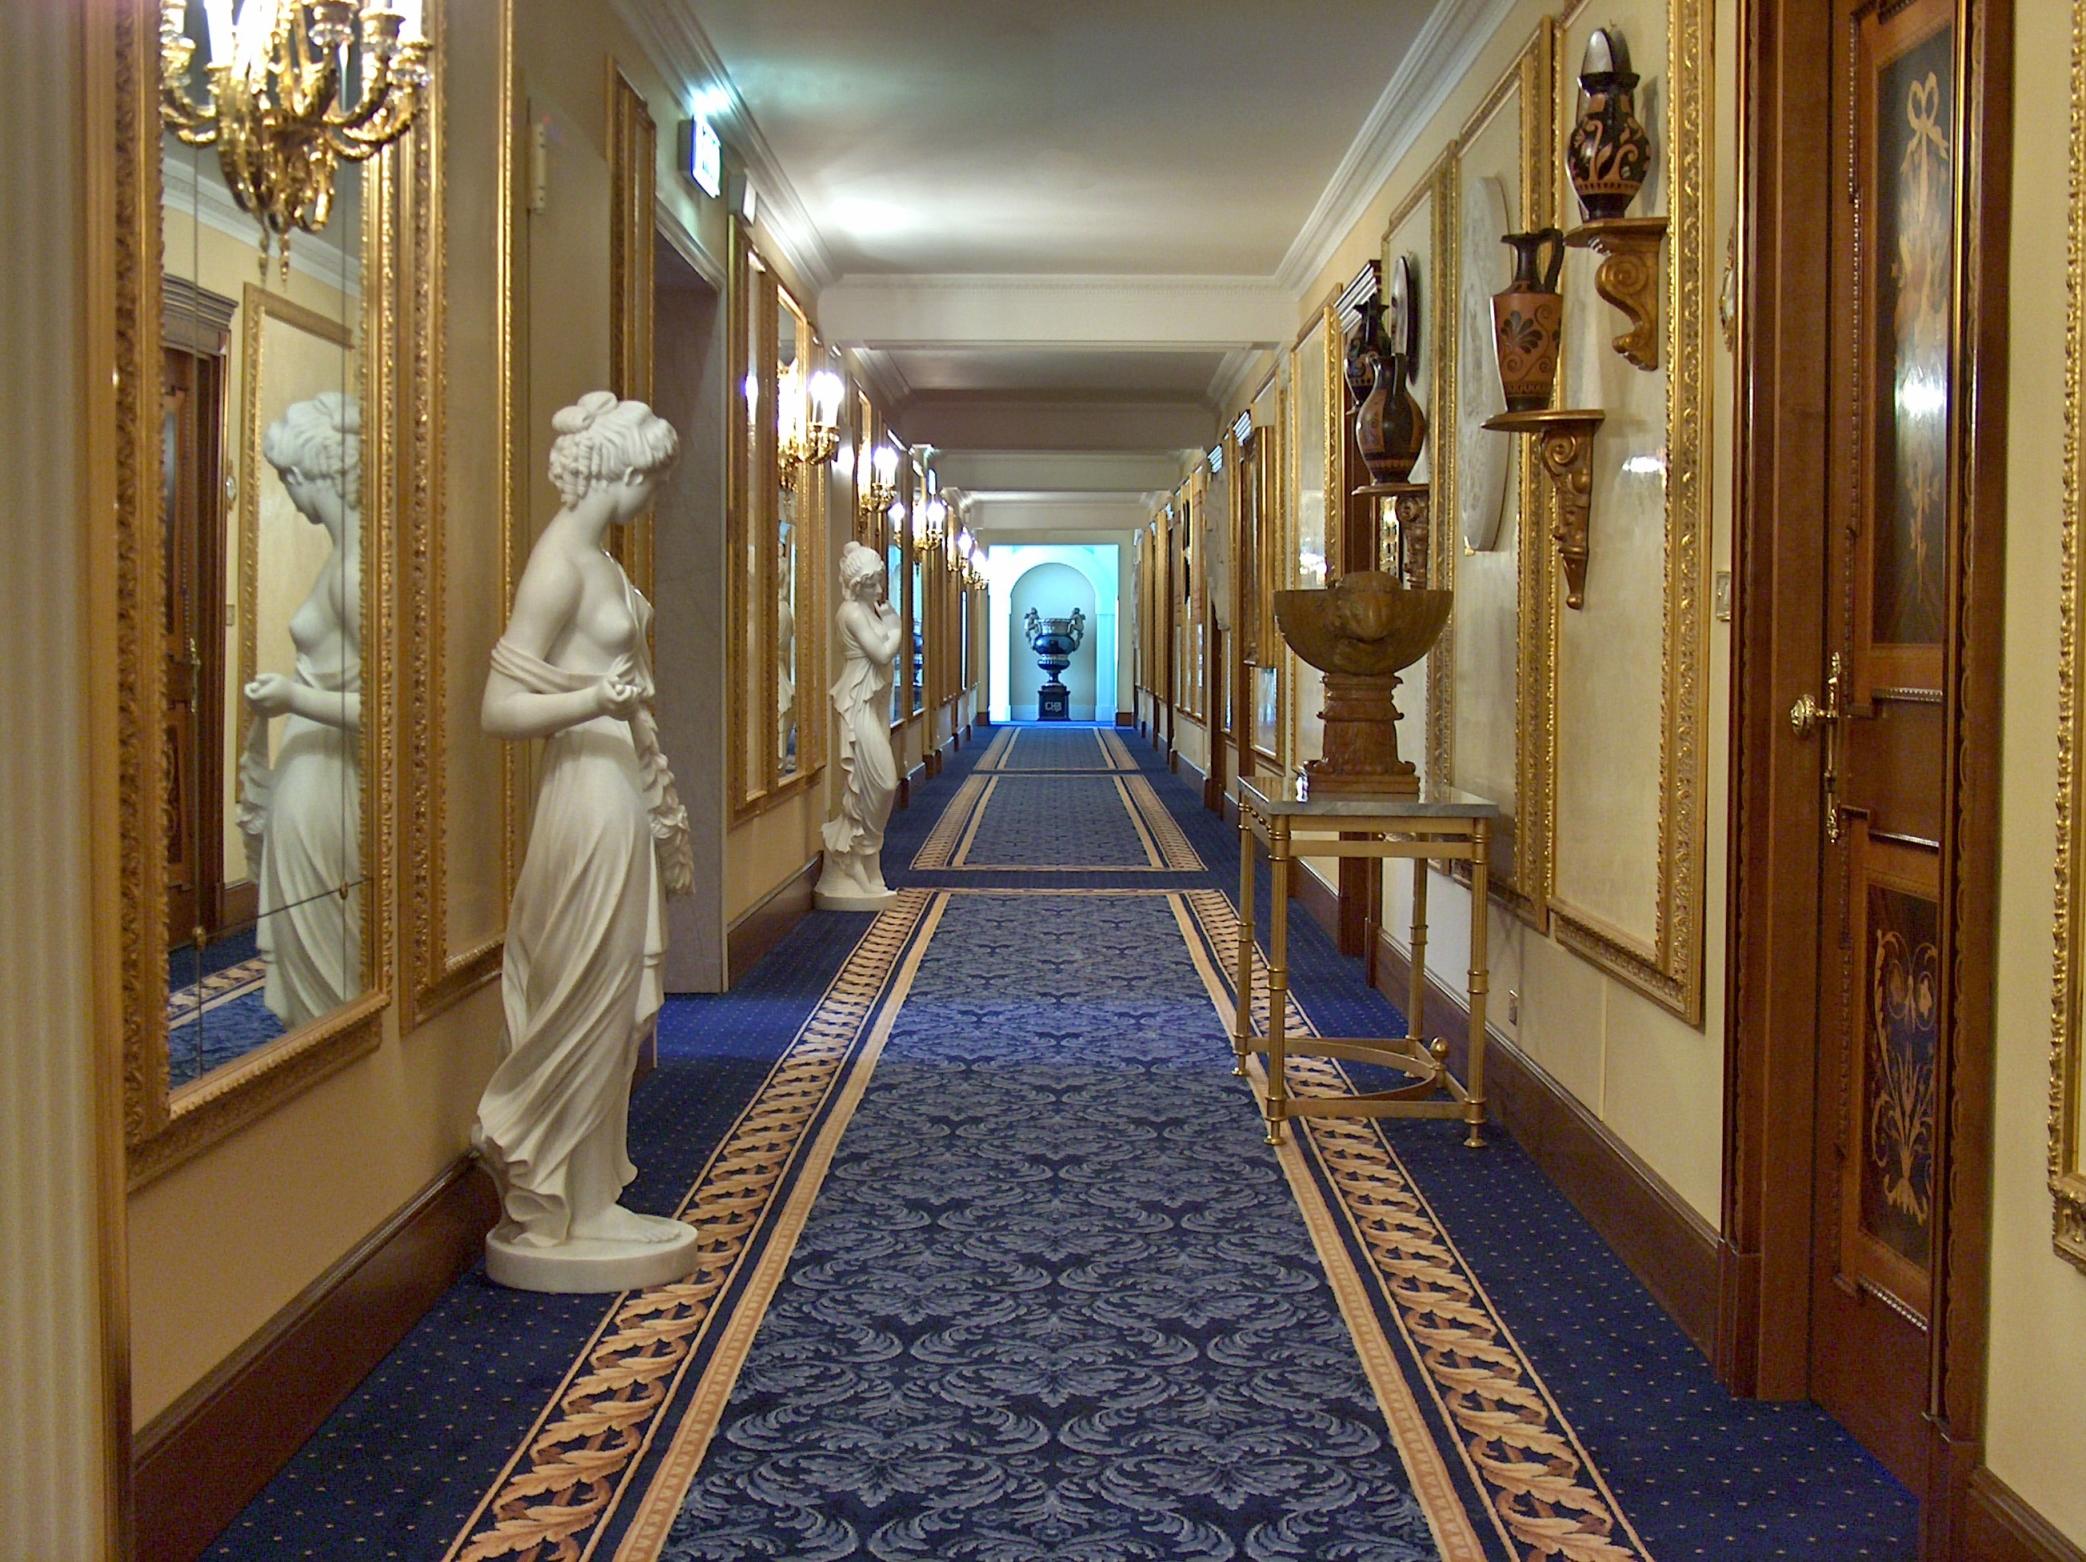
{"x": 1528, "y": 87}
{"x": 2067, "y": 1142}
{"x": 437, "y": 975}
{"x": 1668, "y": 967}
{"x": 163, "y": 1129}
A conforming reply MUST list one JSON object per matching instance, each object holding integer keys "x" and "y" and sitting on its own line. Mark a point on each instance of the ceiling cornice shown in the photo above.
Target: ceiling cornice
{"x": 678, "y": 45}
{"x": 1448, "y": 45}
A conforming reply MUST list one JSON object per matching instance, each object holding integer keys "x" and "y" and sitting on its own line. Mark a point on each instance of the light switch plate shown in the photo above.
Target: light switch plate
{"x": 1721, "y": 596}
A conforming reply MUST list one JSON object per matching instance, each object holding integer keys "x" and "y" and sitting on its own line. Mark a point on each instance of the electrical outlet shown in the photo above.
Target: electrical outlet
{"x": 1513, "y": 1006}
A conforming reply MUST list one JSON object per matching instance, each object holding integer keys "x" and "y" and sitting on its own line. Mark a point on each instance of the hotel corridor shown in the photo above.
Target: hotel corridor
{"x": 998, "y": 1266}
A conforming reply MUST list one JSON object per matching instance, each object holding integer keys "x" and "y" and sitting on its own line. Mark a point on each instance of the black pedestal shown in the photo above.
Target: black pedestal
{"x": 1053, "y": 704}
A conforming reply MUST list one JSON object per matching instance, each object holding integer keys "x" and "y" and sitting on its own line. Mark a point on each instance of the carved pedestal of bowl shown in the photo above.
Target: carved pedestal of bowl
{"x": 1361, "y": 632}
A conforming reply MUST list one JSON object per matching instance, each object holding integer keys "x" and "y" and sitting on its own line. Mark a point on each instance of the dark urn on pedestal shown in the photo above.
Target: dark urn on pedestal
{"x": 1054, "y": 640}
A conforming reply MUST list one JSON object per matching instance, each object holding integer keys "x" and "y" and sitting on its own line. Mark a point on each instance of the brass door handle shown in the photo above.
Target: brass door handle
{"x": 1807, "y": 716}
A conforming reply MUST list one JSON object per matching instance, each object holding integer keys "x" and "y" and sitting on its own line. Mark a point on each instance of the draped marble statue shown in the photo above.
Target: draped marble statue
{"x": 870, "y": 634}
{"x": 586, "y": 931}
{"x": 301, "y": 809}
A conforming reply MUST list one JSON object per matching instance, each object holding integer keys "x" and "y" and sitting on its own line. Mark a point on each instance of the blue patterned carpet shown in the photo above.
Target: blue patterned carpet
{"x": 1055, "y": 821}
{"x": 1056, "y": 746}
{"x": 1053, "y": 1299}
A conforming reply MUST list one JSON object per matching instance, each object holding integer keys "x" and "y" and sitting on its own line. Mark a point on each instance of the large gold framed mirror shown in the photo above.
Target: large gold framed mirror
{"x": 461, "y": 842}
{"x": 778, "y": 536}
{"x": 253, "y": 538}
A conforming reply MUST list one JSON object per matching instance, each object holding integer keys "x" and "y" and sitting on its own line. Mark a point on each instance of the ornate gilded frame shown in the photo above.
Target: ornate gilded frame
{"x": 162, "y": 1130}
{"x": 257, "y": 307}
{"x": 755, "y": 295}
{"x": 1669, "y": 968}
{"x": 1326, "y": 364}
{"x": 633, "y": 163}
{"x": 1269, "y": 470}
{"x": 1525, "y": 885}
{"x": 435, "y": 975}
{"x": 2067, "y": 1148}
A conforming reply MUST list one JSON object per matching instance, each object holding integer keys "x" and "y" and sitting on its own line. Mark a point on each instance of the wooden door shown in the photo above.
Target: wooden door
{"x": 1893, "y": 558}
{"x": 181, "y": 665}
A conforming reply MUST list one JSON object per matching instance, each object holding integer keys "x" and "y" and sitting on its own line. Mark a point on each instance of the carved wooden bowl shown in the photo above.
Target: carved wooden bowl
{"x": 1363, "y": 625}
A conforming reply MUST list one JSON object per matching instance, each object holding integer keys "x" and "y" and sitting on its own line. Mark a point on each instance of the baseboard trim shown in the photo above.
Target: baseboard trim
{"x": 1124, "y": 718}
{"x": 2000, "y": 1527}
{"x": 1663, "y": 1240}
{"x": 762, "y": 926}
{"x": 205, "y": 1456}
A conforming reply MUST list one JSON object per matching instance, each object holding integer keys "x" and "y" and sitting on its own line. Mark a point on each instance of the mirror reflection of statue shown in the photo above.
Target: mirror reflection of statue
{"x": 301, "y": 813}
{"x": 586, "y": 931}
{"x": 870, "y": 636}
{"x": 785, "y": 651}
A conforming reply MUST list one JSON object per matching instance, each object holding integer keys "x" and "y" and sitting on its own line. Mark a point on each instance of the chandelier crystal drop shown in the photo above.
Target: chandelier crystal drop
{"x": 277, "y": 114}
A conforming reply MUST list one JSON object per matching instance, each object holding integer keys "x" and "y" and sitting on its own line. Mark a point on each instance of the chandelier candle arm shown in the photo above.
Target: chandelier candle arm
{"x": 275, "y": 115}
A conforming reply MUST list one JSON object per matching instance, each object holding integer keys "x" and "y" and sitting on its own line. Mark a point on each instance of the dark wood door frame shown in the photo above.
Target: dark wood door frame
{"x": 1771, "y": 1036}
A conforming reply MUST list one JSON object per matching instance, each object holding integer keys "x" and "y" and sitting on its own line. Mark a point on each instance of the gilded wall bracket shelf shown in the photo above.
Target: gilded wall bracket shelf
{"x": 1628, "y": 278}
{"x": 1564, "y": 445}
{"x": 1412, "y": 508}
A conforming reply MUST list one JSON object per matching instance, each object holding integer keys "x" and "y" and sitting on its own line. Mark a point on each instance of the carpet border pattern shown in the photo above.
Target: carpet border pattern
{"x": 1541, "y": 1485}
{"x": 564, "y": 1483}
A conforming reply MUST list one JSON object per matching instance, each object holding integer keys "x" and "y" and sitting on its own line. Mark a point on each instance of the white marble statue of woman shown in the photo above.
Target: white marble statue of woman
{"x": 853, "y": 879}
{"x": 586, "y": 931}
{"x": 301, "y": 814}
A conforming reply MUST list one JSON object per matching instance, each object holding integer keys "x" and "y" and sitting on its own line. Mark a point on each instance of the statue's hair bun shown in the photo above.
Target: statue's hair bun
{"x": 601, "y": 437}
{"x": 581, "y": 416}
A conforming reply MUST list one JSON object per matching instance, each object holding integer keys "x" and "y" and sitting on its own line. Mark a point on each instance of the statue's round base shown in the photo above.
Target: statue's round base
{"x": 584, "y": 1267}
{"x": 852, "y": 900}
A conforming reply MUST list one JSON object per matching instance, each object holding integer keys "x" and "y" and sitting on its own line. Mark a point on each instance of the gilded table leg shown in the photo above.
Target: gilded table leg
{"x": 1278, "y": 977}
{"x": 1416, "y": 987}
{"x": 1480, "y": 975}
{"x": 1242, "y": 1007}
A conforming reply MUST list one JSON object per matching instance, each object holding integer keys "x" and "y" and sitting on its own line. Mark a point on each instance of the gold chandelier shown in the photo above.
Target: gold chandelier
{"x": 275, "y": 113}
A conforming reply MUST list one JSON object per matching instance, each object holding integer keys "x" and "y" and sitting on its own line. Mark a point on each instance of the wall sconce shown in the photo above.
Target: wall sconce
{"x": 810, "y": 427}
{"x": 275, "y": 114}
{"x": 934, "y": 522}
{"x": 966, "y": 544}
{"x": 876, "y": 481}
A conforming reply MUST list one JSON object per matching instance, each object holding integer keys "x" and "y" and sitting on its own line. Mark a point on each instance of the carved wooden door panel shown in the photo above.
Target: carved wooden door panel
{"x": 1878, "y": 718}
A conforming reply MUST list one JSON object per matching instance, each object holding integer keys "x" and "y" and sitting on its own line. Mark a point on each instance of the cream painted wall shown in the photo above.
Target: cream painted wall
{"x": 221, "y": 1243}
{"x": 54, "y": 1483}
{"x": 2036, "y": 1416}
{"x": 1653, "y": 1078}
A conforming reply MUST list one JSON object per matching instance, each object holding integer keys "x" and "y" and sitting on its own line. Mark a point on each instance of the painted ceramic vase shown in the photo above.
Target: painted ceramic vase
{"x": 1527, "y": 317}
{"x": 1609, "y": 153}
{"x": 1390, "y": 429}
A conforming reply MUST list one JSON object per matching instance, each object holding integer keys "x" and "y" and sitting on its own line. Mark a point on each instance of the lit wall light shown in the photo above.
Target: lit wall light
{"x": 275, "y": 111}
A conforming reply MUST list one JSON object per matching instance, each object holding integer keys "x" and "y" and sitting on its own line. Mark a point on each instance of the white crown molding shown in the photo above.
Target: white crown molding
{"x": 678, "y": 45}
{"x": 1056, "y": 496}
{"x": 204, "y": 196}
{"x": 1448, "y": 44}
{"x": 1228, "y": 384}
{"x": 1131, "y": 313}
{"x": 886, "y": 381}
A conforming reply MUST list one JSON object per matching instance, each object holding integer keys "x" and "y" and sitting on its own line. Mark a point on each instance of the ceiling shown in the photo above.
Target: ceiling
{"x": 1083, "y": 136}
{"x": 1063, "y": 234}
{"x": 1057, "y": 372}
